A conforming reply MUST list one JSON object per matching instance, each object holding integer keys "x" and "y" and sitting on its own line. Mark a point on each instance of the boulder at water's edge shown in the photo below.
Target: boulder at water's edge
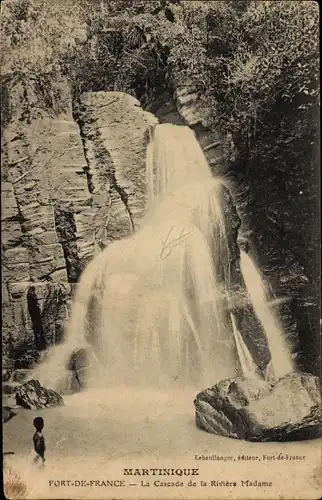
{"x": 255, "y": 410}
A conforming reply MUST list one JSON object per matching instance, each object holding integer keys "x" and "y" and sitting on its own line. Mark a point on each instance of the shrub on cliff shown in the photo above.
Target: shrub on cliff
{"x": 272, "y": 65}
{"x": 242, "y": 55}
{"x": 36, "y": 33}
{"x": 251, "y": 61}
{"x": 127, "y": 49}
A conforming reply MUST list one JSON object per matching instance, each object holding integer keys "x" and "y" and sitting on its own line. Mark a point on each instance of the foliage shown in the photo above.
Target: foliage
{"x": 36, "y": 33}
{"x": 250, "y": 61}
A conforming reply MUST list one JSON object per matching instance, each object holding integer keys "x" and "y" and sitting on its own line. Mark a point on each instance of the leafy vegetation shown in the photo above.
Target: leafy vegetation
{"x": 247, "y": 59}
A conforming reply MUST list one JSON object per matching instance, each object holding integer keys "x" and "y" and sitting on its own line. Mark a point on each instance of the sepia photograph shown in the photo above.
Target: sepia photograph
{"x": 160, "y": 249}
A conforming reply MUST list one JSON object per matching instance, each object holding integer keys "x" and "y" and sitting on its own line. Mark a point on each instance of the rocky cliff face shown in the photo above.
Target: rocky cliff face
{"x": 255, "y": 410}
{"x": 113, "y": 129}
{"x": 42, "y": 172}
{"x": 67, "y": 189}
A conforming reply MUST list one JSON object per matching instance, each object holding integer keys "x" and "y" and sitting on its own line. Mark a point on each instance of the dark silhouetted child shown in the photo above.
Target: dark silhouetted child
{"x": 39, "y": 440}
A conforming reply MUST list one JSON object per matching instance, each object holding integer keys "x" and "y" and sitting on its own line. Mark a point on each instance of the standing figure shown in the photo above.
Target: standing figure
{"x": 39, "y": 440}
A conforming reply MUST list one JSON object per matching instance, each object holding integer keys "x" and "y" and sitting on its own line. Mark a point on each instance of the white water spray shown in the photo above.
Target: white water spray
{"x": 153, "y": 306}
{"x": 281, "y": 360}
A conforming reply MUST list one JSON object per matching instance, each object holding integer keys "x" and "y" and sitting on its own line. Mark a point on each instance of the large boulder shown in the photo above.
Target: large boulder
{"x": 79, "y": 365}
{"x": 79, "y": 359}
{"x": 44, "y": 190}
{"x": 255, "y": 410}
{"x": 33, "y": 396}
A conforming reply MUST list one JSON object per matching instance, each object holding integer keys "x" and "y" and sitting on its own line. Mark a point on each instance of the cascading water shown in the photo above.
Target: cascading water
{"x": 281, "y": 360}
{"x": 248, "y": 365}
{"x": 157, "y": 301}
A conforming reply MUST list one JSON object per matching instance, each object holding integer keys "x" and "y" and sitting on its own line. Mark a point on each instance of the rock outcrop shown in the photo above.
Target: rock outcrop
{"x": 43, "y": 171}
{"x": 114, "y": 132}
{"x": 78, "y": 372}
{"x": 255, "y": 410}
{"x": 33, "y": 320}
{"x": 33, "y": 396}
{"x": 68, "y": 189}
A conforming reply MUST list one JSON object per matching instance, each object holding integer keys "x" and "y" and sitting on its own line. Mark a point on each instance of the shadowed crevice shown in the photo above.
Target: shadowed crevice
{"x": 36, "y": 319}
{"x": 66, "y": 231}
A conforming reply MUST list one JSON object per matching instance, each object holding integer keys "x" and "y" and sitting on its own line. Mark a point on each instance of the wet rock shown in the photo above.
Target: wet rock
{"x": 253, "y": 334}
{"x": 243, "y": 244}
{"x": 78, "y": 359}
{"x": 255, "y": 410}
{"x": 32, "y": 395}
{"x": 82, "y": 377}
{"x": 275, "y": 243}
{"x": 187, "y": 104}
{"x": 7, "y": 414}
{"x": 79, "y": 364}
{"x": 34, "y": 319}
{"x": 53, "y": 299}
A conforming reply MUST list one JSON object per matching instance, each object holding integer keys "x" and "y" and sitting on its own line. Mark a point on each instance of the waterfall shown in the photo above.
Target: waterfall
{"x": 281, "y": 360}
{"x": 248, "y": 365}
{"x": 160, "y": 295}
